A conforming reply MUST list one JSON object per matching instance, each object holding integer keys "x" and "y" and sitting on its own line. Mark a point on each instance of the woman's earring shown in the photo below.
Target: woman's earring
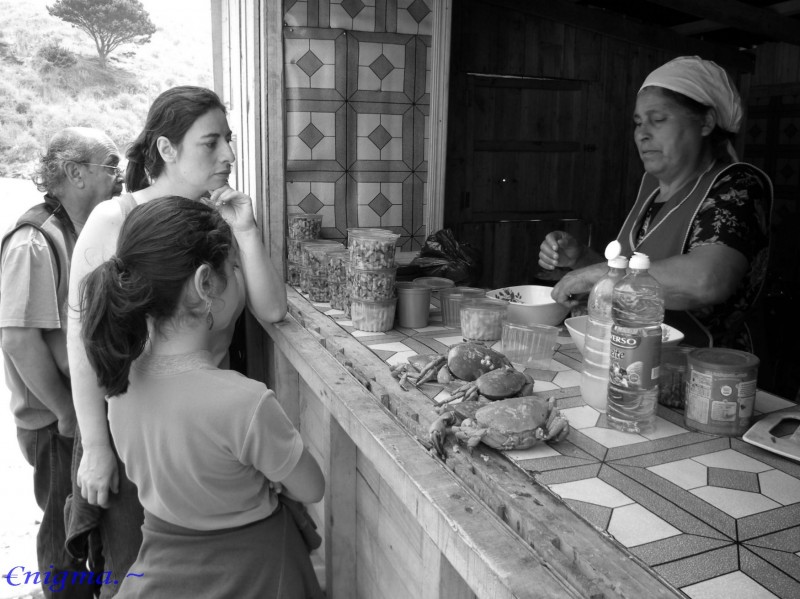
{"x": 209, "y": 315}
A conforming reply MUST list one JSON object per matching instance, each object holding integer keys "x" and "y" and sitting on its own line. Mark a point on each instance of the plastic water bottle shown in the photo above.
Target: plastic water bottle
{"x": 597, "y": 344}
{"x": 637, "y": 307}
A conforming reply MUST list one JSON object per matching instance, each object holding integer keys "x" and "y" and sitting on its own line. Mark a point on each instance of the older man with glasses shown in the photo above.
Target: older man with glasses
{"x": 79, "y": 169}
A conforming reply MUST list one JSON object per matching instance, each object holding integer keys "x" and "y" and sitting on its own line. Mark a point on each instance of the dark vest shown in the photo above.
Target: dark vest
{"x": 669, "y": 232}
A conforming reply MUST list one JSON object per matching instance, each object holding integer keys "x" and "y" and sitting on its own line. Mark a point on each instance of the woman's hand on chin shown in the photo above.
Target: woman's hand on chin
{"x": 234, "y": 206}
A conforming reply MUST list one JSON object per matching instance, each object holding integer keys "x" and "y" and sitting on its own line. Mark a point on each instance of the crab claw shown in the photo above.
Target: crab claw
{"x": 557, "y": 427}
{"x": 438, "y": 432}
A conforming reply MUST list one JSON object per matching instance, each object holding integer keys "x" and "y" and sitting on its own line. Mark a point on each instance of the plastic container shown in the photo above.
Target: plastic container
{"x": 293, "y": 274}
{"x": 637, "y": 308}
{"x": 720, "y": 390}
{"x": 413, "y": 305}
{"x": 373, "y": 284}
{"x": 337, "y": 277}
{"x": 597, "y": 340}
{"x": 313, "y": 253}
{"x": 434, "y": 283}
{"x": 372, "y": 250}
{"x": 482, "y": 319}
{"x": 304, "y": 279}
{"x": 530, "y": 346}
{"x": 317, "y": 287}
{"x": 672, "y": 375}
{"x": 450, "y": 298}
{"x": 293, "y": 251}
{"x": 371, "y": 316}
{"x": 304, "y": 226}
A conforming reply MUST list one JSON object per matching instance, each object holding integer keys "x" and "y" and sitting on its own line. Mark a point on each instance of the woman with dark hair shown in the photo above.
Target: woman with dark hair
{"x": 183, "y": 150}
{"x": 207, "y": 448}
{"x": 701, "y": 216}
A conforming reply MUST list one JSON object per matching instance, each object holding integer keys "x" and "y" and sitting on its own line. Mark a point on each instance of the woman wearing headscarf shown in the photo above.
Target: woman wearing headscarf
{"x": 701, "y": 216}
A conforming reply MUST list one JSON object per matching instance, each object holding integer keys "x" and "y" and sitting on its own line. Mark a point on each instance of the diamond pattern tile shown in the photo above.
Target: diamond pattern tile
{"x": 311, "y": 136}
{"x": 633, "y": 525}
{"x": 418, "y": 10}
{"x": 733, "y": 479}
{"x": 350, "y": 84}
{"x": 380, "y": 137}
{"x": 352, "y": 7}
{"x": 735, "y": 585}
{"x": 309, "y": 63}
{"x": 380, "y": 204}
{"x": 311, "y": 204}
{"x": 381, "y": 67}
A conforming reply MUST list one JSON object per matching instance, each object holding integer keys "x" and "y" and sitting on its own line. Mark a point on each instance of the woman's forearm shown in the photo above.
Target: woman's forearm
{"x": 87, "y": 395}
{"x": 266, "y": 291}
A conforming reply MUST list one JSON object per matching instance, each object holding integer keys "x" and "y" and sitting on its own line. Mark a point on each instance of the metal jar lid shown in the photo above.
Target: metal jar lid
{"x": 720, "y": 358}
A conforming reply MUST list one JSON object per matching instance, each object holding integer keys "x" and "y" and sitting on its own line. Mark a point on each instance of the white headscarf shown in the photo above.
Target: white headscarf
{"x": 704, "y": 81}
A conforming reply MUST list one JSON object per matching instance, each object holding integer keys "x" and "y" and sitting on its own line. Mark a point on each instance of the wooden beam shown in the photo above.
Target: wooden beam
{"x": 631, "y": 30}
{"x": 787, "y": 9}
{"x": 440, "y": 94}
{"x": 740, "y": 16}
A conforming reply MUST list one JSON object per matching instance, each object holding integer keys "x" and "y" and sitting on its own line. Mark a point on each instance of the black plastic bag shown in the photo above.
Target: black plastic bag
{"x": 444, "y": 256}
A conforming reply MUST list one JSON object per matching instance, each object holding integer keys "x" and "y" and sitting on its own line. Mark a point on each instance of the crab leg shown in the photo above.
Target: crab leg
{"x": 430, "y": 370}
{"x": 438, "y": 432}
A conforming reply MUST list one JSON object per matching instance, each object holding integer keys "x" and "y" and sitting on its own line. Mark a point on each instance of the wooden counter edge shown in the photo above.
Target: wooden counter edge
{"x": 493, "y": 560}
{"x": 581, "y": 555}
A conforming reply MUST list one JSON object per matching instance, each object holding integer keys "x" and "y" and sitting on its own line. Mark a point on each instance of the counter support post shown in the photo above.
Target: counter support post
{"x": 340, "y": 507}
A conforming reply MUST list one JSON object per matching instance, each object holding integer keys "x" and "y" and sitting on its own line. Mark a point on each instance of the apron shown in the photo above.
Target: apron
{"x": 669, "y": 233}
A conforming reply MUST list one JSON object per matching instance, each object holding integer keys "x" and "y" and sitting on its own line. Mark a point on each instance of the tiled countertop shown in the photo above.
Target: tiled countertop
{"x": 714, "y": 516}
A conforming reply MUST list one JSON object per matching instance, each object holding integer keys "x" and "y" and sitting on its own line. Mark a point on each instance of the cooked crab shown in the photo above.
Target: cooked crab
{"x": 464, "y": 361}
{"x": 501, "y": 383}
{"x": 515, "y": 423}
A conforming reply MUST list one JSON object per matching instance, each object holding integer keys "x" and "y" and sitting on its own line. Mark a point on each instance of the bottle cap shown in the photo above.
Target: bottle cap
{"x": 613, "y": 249}
{"x": 618, "y": 262}
{"x": 640, "y": 261}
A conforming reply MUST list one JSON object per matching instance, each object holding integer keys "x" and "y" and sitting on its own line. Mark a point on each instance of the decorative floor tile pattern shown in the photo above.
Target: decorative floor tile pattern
{"x": 714, "y": 516}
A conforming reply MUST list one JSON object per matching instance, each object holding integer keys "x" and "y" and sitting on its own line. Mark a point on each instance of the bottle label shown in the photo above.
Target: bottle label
{"x": 635, "y": 357}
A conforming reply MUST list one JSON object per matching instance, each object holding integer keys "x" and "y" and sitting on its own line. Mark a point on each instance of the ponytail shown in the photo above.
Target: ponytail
{"x": 114, "y": 306}
{"x": 161, "y": 245}
{"x": 136, "y": 172}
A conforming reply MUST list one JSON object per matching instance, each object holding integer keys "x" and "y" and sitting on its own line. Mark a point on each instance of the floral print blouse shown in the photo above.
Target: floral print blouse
{"x": 736, "y": 214}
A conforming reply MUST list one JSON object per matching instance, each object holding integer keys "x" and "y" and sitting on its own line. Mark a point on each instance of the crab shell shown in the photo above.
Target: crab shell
{"x": 468, "y": 361}
{"x": 515, "y": 423}
{"x": 501, "y": 383}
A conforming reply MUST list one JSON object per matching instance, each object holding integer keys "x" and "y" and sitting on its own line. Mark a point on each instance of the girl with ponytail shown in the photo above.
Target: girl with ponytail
{"x": 208, "y": 448}
{"x": 183, "y": 150}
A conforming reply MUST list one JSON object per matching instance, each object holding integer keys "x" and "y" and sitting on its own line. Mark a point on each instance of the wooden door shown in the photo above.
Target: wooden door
{"x": 524, "y": 154}
{"x": 524, "y": 148}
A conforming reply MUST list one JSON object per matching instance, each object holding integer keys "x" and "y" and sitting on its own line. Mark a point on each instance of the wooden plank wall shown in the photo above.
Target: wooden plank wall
{"x": 772, "y": 134}
{"x": 514, "y": 38}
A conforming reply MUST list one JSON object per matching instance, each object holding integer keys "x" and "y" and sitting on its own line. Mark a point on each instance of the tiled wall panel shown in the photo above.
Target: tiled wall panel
{"x": 357, "y": 78}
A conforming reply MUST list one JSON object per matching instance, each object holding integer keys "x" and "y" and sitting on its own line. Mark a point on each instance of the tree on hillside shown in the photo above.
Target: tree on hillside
{"x": 109, "y": 22}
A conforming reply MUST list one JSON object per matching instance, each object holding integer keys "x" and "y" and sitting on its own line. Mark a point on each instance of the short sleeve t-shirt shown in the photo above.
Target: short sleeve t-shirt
{"x": 202, "y": 444}
{"x": 32, "y": 297}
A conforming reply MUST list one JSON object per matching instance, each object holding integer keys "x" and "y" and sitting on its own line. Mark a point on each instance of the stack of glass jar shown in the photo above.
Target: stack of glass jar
{"x": 372, "y": 274}
{"x": 314, "y": 271}
{"x": 302, "y": 227}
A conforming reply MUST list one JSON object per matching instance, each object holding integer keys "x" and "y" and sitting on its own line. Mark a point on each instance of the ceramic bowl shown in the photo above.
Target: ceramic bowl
{"x": 577, "y": 330}
{"x": 530, "y": 304}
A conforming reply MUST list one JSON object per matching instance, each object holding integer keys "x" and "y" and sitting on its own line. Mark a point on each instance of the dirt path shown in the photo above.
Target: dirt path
{"x": 19, "y": 514}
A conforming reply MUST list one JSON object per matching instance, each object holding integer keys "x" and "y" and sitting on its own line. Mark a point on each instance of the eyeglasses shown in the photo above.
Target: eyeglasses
{"x": 117, "y": 170}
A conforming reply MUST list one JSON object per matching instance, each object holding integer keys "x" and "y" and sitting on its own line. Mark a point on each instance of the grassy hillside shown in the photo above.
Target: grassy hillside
{"x": 50, "y": 76}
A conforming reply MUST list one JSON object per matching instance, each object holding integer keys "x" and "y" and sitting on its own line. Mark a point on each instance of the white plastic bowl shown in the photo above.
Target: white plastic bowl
{"x": 531, "y": 304}
{"x": 577, "y": 330}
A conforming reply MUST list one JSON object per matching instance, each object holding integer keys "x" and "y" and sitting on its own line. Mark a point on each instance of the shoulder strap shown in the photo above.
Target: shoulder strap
{"x": 36, "y": 217}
